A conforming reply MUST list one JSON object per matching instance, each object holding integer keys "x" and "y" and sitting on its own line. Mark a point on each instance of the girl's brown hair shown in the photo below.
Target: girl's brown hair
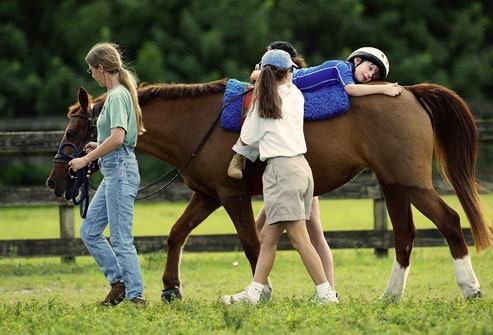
{"x": 266, "y": 95}
{"x": 108, "y": 56}
{"x": 299, "y": 61}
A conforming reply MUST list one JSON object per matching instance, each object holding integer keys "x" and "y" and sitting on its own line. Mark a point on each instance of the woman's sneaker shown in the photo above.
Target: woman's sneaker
{"x": 115, "y": 295}
{"x": 250, "y": 295}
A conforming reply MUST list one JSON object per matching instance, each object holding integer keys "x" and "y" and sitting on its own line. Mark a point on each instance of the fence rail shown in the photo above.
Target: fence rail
{"x": 46, "y": 143}
{"x": 69, "y": 248}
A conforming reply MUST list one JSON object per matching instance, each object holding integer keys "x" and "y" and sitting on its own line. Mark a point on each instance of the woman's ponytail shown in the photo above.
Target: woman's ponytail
{"x": 129, "y": 80}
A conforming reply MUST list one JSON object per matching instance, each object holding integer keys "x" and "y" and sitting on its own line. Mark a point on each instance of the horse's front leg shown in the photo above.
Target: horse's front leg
{"x": 399, "y": 207}
{"x": 199, "y": 207}
{"x": 239, "y": 209}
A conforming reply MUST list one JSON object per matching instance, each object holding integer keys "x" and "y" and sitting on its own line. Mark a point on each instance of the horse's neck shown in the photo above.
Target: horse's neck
{"x": 176, "y": 127}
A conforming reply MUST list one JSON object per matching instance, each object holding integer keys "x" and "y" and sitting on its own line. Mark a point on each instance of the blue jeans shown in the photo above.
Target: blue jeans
{"x": 113, "y": 204}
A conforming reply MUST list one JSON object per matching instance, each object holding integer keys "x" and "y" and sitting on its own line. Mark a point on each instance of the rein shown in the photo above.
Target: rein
{"x": 195, "y": 152}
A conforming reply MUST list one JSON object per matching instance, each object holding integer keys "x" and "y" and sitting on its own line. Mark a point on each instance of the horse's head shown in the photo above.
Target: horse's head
{"x": 80, "y": 130}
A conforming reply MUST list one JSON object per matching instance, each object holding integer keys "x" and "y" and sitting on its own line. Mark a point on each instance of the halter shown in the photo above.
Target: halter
{"x": 79, "y": 194}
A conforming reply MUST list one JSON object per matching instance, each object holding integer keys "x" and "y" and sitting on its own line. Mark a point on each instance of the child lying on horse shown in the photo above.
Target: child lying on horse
{"x": 362, "y": 66}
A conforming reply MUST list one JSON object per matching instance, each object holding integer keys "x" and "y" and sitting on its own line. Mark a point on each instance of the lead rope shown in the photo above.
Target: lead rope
{"x": 78, "y": 197}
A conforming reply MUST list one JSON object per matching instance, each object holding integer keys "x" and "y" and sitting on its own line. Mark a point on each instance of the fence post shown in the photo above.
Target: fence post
{"x": 380, "y": 222}
{"x": 67, "y": 231}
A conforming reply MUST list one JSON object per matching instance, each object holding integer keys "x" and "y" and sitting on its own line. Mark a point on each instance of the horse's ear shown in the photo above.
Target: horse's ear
{"x": 83, "y": 97}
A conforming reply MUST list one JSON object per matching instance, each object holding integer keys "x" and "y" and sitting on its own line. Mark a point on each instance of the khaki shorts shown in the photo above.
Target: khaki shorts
{"x": 288, "y": 189}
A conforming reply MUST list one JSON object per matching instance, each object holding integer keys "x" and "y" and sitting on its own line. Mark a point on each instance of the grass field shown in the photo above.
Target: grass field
{"x": 43, "y": 296}
{"x": 39, "y": 296}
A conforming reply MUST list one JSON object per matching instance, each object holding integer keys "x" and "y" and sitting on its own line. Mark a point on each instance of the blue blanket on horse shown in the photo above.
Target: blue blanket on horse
{"x": 324, "y": 103}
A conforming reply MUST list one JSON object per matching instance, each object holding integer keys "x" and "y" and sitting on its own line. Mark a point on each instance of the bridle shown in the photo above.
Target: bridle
{"x": 79, "y": 192}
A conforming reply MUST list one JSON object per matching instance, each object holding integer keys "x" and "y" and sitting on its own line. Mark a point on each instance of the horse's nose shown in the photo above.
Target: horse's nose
{"x": 50, "y": 183}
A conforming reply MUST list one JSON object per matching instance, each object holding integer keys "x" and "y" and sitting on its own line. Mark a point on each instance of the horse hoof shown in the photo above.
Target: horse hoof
{"x": 171, "y": 293}
{"x": 474, "y": 296}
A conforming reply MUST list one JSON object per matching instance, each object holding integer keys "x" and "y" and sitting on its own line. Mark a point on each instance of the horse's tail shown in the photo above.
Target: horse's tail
{"x": 456, "y": 147}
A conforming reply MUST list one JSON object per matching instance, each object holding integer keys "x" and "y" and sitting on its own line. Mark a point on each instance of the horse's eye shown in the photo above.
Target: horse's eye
{"x": 70, "y": 135}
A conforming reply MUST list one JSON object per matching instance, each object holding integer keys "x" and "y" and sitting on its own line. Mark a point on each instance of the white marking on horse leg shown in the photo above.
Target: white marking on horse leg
{"x": 397, "y": 282}
{"x": 465, "y": 276}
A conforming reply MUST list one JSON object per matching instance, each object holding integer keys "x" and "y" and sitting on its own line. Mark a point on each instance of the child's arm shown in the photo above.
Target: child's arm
{"x": 250, "y": 135}
{"x": 356, "y": 90}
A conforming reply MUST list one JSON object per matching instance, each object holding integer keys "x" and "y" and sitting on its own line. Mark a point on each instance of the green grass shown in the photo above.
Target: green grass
{"x": 156, "y": 219}
{"x": 41, "y": 295}
{"x": 44, "y": 296}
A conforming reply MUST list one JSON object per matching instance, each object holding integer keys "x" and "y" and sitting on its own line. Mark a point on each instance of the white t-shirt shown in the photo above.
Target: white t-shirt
{"x": 278, "y": 137}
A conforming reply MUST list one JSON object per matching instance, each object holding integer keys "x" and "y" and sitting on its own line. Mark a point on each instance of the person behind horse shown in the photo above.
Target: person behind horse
{"x": 276, "y": 126}
{"x": 118, "y": 127}
{"x": 314, "y": 224}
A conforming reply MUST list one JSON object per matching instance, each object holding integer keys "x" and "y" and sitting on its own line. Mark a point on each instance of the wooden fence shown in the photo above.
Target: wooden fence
{"x": 46, "y": 143}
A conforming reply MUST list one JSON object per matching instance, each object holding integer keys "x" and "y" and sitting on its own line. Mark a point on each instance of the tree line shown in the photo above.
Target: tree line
{"x": 44, "y": 42}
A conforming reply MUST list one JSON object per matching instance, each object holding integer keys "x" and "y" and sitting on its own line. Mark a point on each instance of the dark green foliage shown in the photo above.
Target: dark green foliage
{"x": 44, "y": 43}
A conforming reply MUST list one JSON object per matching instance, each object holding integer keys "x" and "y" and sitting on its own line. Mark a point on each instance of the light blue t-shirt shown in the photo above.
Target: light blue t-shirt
{"x": 326, "y": 74}
{"x": 118, "y": 112}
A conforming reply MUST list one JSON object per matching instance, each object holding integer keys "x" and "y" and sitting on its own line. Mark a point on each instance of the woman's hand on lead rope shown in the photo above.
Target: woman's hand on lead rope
{"x": 78, "y": 163}
{"x": 90, "y": 146}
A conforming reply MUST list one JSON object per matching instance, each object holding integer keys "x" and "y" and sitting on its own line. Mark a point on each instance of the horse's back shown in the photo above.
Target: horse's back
{"x": 392, "y": 136}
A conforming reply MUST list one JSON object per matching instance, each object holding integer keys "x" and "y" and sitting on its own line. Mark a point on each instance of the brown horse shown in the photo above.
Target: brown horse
{"x": 393, "y": 137}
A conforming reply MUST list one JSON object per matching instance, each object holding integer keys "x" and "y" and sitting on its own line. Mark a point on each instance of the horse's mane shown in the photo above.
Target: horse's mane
{"x": 148, "y": 93}
{"x": 72, "y": 109}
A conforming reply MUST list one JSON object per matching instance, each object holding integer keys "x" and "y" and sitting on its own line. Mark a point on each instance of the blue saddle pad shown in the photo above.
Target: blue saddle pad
{"x": 232, "y": 105}
{"x": 324, "y": 103}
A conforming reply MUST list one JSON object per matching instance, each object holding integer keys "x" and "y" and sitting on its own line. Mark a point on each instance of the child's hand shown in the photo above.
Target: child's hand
{"x": 393, "y": 89}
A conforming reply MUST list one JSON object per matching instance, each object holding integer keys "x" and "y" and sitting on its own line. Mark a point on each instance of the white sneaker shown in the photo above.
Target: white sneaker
{"x": 250, "y": 295}
{"x": 330, "y": 297}
{"x": 266, "y": 294}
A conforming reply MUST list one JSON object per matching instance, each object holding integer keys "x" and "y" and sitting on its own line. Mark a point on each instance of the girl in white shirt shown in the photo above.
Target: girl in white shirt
{"x": 275, "y": 125}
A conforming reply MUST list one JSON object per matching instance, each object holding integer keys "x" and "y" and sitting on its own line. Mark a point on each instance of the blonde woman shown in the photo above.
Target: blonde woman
{"x": 118, "y": 125}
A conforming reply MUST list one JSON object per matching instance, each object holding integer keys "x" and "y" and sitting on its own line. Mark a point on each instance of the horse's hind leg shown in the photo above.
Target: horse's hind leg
{"x": 399, "y": 208}
{"x": 428, "y": 202}
{"x": 199, "y": 207}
